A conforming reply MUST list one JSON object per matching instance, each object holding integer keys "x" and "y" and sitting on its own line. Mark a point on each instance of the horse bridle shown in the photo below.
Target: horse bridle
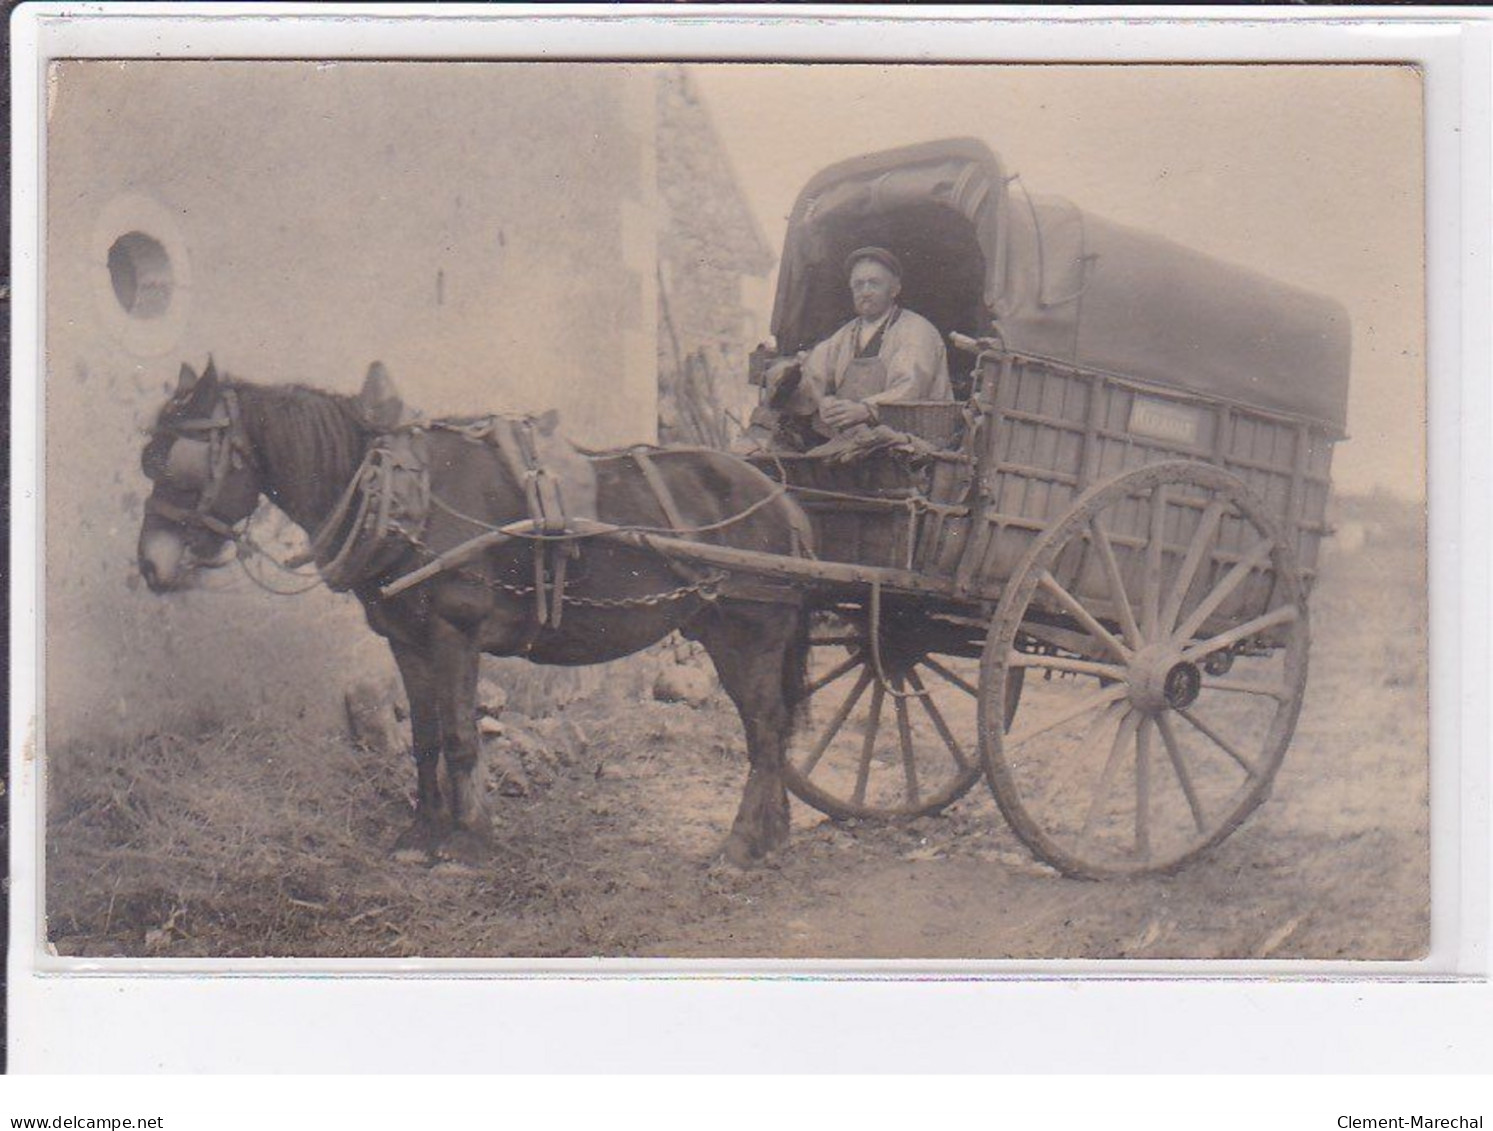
{"x": 227, "y": 451}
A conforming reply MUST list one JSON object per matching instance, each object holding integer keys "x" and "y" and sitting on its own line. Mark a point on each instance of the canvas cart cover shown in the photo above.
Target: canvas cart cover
{"x": 981, "y": 252}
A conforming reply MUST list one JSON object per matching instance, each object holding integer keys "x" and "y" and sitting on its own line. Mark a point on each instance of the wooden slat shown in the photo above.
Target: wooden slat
{"x": 782, "y": 567}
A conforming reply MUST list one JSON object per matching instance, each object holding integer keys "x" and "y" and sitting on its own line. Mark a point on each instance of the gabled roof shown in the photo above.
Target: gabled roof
{"x": 706, "y": 209}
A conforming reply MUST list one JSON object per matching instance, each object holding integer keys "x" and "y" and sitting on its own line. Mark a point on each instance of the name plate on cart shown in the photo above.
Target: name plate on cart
{"x": 1166, "y": 420}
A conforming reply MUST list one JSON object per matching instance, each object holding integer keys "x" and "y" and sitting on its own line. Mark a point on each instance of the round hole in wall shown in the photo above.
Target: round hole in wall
{"x": 140, "y": 270}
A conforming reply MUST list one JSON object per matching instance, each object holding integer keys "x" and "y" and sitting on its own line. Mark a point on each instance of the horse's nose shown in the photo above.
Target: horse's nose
{"x": 160, "y": 558}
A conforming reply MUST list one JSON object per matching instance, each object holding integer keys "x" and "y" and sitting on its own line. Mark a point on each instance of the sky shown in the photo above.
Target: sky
{"x": 1310, "y": 174}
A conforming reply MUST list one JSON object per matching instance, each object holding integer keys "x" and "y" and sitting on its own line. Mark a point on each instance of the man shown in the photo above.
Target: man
{"x": 885, "y": 354}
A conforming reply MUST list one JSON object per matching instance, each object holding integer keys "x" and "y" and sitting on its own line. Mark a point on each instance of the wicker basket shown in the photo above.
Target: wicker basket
{"x": 941, "y": 423}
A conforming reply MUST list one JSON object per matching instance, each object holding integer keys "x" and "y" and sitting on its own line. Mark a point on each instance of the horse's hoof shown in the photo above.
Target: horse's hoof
{"x": 453, "y": 868}
{"x": 418, "y": 843}
{"x": 741, "y": 852}
{"x": 465, "y": 846}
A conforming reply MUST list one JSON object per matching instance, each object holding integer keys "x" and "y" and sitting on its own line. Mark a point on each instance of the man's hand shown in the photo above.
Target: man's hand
{"x": 839, "y": 413}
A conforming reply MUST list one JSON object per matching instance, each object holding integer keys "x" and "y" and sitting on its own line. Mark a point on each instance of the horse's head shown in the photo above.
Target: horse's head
{"x": 204, "y": 479}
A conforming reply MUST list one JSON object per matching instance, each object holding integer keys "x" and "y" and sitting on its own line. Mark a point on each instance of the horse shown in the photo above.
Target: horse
{"x": 221, "y": 444}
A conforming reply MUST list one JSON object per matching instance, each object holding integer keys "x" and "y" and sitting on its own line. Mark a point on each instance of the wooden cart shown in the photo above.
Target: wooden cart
{"x": 1118, "y": 531}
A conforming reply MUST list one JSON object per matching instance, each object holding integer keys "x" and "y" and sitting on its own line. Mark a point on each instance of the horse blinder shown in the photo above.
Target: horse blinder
{"x": 188, "y": 465}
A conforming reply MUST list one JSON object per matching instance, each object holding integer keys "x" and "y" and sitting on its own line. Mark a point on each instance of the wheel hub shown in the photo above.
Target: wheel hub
{"x": 1161, "y": 680}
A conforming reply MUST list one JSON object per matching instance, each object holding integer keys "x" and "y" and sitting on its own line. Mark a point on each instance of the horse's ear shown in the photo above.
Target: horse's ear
{"x": 185, "y": 380}
{"x": 547, "y": 422}
{"x": 379, "y": 401}
{"x": 210, "y": 374}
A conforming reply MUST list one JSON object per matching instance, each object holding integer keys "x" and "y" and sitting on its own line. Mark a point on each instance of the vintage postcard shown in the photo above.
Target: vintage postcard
{"x": 502, "y": 510}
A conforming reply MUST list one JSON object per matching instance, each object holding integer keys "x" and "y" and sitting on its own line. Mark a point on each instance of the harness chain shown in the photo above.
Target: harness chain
{"x": 705, "y": 587}
{"x": 228, "y": 449}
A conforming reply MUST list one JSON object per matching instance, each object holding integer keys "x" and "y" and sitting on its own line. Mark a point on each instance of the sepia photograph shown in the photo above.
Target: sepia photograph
{"x": 808, "y": 511}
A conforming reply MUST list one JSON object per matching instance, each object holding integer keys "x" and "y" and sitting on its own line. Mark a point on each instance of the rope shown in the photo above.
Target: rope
{"x": 248, "y": 548}
{"x": 574, "y": 536}
{"x": 243, "y": 561}
{"x": 916, "y": 502}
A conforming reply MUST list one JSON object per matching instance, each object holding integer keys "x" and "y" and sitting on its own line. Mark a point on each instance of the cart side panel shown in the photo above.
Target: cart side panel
{"x": 860, "y": 512}
{"x": 1052, "y": 431}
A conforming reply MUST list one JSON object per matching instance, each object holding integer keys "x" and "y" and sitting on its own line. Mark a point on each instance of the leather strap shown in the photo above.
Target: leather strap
{"x": 660, "y": 488}
{"x": 516, "y": 443}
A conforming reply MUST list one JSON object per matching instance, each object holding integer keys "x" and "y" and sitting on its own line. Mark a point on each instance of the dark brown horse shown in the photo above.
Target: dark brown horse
{"x": 220, "y": 444}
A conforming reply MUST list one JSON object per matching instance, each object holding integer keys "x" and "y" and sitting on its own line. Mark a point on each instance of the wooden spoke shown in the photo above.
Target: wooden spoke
{"x": 1064, "y": 664}
{"x": 1269, "y": 691}
{"x": 1179, "y": 767}
{"x": 1150, "y": 615}
{"x": 1123, "y": 735}
{"x": 1197, "y": 549}
{"x": 1286, "y": 614}
{"x": 952, "y": 677}
{"x": 1109, "y": 715}
{"x": 1101, "y": 723}
{"x": 1083, "y": 616}
{"x": 833, "y": 674}
{"x": 904, "y": 735}
{"x": 1143, "y": 789}
{"x": 868, "y": 747}
{"x": 938, "y": 720}
{"x": 1252, "y": 558}
{"x": 1100, "y": 699}
{"x": 1222, "y": 743}
{"x": 837, "y": 722}
{"x": 1122, "y": 603}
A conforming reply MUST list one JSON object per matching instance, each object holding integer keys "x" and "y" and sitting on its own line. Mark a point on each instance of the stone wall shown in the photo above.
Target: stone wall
{"x": 711, "y": 252}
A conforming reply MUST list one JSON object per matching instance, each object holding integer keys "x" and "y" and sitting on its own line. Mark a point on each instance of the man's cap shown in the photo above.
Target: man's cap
{"x": 878, "y": 254}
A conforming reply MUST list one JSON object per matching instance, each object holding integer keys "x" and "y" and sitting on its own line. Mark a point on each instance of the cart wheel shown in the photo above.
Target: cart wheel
{"x": 1166, "y": 706}
{"x": 906, "y": 747}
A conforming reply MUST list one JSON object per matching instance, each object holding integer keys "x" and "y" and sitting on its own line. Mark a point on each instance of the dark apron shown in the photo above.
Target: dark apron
{"x": 864, "y": 376}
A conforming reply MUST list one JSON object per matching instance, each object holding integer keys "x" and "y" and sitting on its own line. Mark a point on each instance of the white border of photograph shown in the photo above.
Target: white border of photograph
{"x": 973, "y": 1015}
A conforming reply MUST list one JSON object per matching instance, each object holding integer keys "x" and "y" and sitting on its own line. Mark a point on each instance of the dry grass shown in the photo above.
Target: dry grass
{"x": 255, "y": 839}
{"x": 247, "y": 833}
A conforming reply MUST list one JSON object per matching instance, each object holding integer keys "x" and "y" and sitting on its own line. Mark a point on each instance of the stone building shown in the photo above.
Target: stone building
{"x": 488, "y": 231}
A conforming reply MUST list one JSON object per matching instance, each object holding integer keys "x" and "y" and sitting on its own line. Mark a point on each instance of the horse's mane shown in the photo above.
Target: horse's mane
{"x": 312, "y": 439}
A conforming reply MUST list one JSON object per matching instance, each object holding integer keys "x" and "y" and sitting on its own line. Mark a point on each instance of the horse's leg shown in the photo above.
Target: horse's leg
{"x": 757, "y": 649}
{"x": 432, "y": 819}
{"x": 454, "y": 666}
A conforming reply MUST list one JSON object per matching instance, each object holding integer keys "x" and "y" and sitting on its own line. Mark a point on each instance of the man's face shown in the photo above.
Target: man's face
{"x": 873, "y": 288}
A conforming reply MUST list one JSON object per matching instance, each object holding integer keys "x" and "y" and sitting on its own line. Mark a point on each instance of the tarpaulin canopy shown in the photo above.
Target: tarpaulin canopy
{"x": 980, "y": 253}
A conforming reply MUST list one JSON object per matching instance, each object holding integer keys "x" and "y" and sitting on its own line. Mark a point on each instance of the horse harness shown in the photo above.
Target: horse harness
{"x": 552, "y": 532}
{"x": 217, "y": 447}
{"x": 543, "y": 488}
{"x": 387, "y": 503}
